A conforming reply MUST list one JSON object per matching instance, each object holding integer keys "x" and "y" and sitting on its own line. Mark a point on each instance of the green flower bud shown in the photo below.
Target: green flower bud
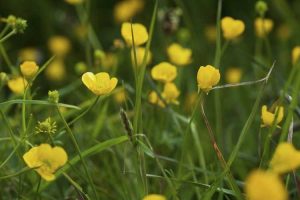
{"x": 261, "y": 7}
{"x": 53, "y": 96}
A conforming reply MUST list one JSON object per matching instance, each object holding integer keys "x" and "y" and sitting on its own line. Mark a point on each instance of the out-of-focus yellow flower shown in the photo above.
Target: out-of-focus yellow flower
{"x": 139, "y": 32}
{"x": 154, "y": 197}
{"x": 283, "y": 32}
{"x": 207, "y": 77}
{"x": 232, "y": 28}
{"x": 164, "y": 72}
{"x": 74, "y": 2}
{"x": 263, "y": 185}
{"x": 17, "y": 85}
{"x": 120, "y": 96}
{"x": 211, "y": 33}
{"x": 179, "y": 55}
{"x": 170, "y": 93}
{"x": 190, "y": 101}
{"x": 80, "y": 30}
{"x": 56, "y": 71}
{"x": 59, "y": 45}
{"x": 110, "y": 60}
{"x": 296, "y": 54}
{"x": 233, "y": 75}
{"x": 154, "y": 99}
{"x": 29, "y": 53}
{"x": 263, "y": 26}
{"x": 29, "y": 69}
{"x": 100, "y": 83}
{"x": 285, "y": 159}
{"x": 140, "y": 52}
{"x": 46, "y": 160}
{"x": 268, "y": 117}
{"x": 125, "y": 10}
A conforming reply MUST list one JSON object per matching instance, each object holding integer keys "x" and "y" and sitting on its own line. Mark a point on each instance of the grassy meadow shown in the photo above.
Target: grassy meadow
{"x": 149, "y": 99}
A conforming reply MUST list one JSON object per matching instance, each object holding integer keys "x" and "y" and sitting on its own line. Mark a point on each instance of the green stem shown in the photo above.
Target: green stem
{"x": 13, "y": 32}
{"x": 6, "y": 59}
{"x": 69, "y": 131}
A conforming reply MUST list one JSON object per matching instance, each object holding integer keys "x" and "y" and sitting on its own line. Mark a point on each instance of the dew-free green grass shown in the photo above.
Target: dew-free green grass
{"x": 149, "y": 99}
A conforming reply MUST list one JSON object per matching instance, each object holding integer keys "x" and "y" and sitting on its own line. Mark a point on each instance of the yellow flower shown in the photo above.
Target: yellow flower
{"x": 154, "y": 99}
{"x": 264, "y": 185}
{"x": 268, "y": 117}
{"x": 29, "y": 53}
{"x": 164, "y": 72}
{"x": 17, "y": 85}
{"x": 263, "y": 26}
{"x": 56, "y": 71}
{"x": 286, "y": 158}
{"x": 283, "y": 32}
{"x": 154, "y": 197}
{"x": 59, "y": 45}
{"x": 29, "y": 69}
{"x": 233, "y": 75}
{"x": 232, "y": 28}
{"x": 140, "y": 52}
{"x": 139, "y": 32}
{"x": 74, "y": 2}
{"x": 125, "y": 10}
{"x": 110, "y": 60}
{"x": 120, "y": 96}
{"x": 99, "y": 84}
{"x": 46, "y": 160}
{"x": 179, "y": 55}
{"x": 170, "y": 93}
{"x": 296, "y": 54}
{"x": 207, "y": 77}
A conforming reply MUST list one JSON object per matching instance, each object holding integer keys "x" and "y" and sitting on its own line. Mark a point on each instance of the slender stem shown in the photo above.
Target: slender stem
{"x": 6, "y": 59}
{"x": 13, "y": 32}
{"x": 38, "y": 187}
{"x": 75, "y": 143}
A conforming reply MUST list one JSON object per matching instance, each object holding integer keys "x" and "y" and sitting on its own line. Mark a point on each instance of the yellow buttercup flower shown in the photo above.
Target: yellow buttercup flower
{"x": 120, "y": 96}
{"x": 268, "y": 117}
{"x": 263, "y": 185}
{"x": 140, "y": 52}
{"x": 263, "y": 26}
{"x": 99, "y": 84}
{"x": 46, "y": 160}
{"x": 285, "y": 159}
{"x": 139, "y": 32}
{"x": 233, "y": 75}
{"x": 207, "y": 77}
{"x": 154, "y": 99}
{"x": 125, "y": 10}
{"x": 59, "y": 45}
{"x": 296, "y": 54}
{"x": 170, "y": 93}
{"x": 17, "y": 85}
{"x": 74, "y": 2}
{"x": 56, "y": 71}
{"x": 154, "y": 197}
{"x": 110, "y": 60}
{"x": 29, "y": 69}
{"x": 179, "y": 55}
{"x": 29, "y": 53}
{"x": 232, "y": 28}
{"x": 164, "y": 72}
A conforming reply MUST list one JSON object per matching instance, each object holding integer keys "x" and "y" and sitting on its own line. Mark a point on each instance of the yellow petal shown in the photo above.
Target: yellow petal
{"x": 89, "y": 80}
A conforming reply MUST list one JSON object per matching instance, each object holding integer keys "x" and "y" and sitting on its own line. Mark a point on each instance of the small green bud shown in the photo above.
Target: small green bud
{"x": 46, "y": 126}
{"x": 80, "y": 67}
{"x": 11, "y": 20}
{"x": 53, "y": 96}
{"x": 20, "y": 25}
{"x": 183, "y": 35}
{"x": 3, "y": 78}
{"x": 261, "y": 7}
{"x": 99, "y": 55}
